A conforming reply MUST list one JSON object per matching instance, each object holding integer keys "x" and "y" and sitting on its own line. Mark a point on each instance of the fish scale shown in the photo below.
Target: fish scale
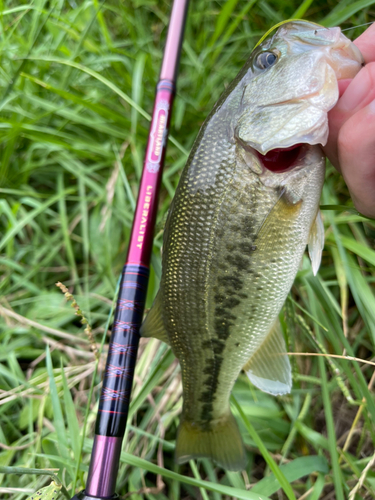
{"x": 236, "y": 232}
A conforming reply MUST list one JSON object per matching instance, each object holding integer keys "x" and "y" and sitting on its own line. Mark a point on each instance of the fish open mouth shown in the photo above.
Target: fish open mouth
{"x": 281, "y": 159}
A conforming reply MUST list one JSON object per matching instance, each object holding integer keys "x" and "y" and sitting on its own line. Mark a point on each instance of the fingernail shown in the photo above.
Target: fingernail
{"x": 356, "y": 94}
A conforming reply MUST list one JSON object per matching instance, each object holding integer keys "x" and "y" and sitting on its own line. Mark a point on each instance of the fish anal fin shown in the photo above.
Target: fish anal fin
{"x": 316, "y": 242}
{"x": 222, "y": 442}
{"x": 269, "y": 367}
{"x": 153, "y": 325}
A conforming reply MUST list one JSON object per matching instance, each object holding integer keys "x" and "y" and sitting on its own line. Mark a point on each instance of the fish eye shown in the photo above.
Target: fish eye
{"x": 265, "y": 60}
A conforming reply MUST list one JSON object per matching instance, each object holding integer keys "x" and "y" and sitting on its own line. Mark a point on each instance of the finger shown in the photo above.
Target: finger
{"x": 353, "y": 93}
{"x": 359, "y": 93}
{"x": 366, "y": 44}
{"x": 356, "y": 154}
{"x": 343, "y": 85}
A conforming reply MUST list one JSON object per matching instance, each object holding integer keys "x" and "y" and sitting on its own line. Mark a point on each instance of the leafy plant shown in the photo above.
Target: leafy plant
{"x": 77, "y": 84}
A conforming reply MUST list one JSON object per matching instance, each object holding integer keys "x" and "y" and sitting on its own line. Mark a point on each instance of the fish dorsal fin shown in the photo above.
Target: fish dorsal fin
{"x": 316, "y": 242}
{"x": 269, "y": 368}
{"x": 153, "y": 325}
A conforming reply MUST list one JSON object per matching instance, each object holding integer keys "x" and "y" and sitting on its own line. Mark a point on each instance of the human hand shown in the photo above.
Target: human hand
{"x": 351, "y": 142}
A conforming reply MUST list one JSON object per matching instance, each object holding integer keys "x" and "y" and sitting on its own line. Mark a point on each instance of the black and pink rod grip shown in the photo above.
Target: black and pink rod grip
{"x": 123, "y": 346}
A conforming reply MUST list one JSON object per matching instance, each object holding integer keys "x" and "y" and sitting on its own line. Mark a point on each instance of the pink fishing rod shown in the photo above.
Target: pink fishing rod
{"x": 123, "y": 345}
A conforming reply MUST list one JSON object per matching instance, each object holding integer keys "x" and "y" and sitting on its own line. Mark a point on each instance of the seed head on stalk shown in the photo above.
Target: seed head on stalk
{"x": 88, "y": 330}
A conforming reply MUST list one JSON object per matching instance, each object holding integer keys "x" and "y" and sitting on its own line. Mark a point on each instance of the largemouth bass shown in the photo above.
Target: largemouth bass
{"x": 245, "y": 208}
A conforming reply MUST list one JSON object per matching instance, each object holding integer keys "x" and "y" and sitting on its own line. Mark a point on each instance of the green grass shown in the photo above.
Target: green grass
{"x": 77, "y": 84}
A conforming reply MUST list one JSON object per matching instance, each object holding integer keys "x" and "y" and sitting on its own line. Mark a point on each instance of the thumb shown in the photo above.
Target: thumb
{"x": 356, "y": 154}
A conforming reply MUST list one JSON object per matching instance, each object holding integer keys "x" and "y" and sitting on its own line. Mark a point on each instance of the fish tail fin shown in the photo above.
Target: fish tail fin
{"x": 222, "y": 442}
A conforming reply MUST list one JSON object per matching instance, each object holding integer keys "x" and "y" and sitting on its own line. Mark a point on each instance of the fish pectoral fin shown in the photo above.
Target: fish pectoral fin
{"x": 269, "y": 368}
{"x": 153, "y": 325}
{"x": 286, "y": 208}
{"x": 316, "y": 242}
